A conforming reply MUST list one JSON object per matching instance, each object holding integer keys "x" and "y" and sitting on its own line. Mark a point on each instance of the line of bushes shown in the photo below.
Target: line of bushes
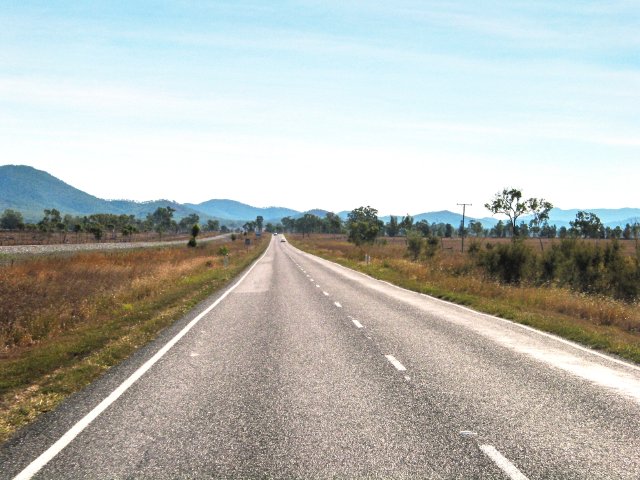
{"x": 579, "y": 265}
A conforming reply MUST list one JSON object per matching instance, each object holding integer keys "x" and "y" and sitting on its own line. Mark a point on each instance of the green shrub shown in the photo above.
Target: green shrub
{"x": 414, "y": 245}
{"x": 587, "y": 266}
{"x": 622, "y": 272}
{"x": 474, "y": 248}
{"x": 550, "y": 263}
{"x": 590, "y": 268}
{"x": 509, "y": 263}
{"x": 432, "y": 246}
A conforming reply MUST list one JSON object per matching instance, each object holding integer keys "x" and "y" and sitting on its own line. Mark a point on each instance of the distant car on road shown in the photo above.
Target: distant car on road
{"x": 282, "y": 240}
{"x": 275, "y": 233}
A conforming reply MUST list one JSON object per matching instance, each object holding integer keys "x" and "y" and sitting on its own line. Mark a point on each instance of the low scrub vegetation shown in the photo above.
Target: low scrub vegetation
{"x": 596, "y": 268}
{"x": 65, "y": 319}
{"x": 584, "y": 291}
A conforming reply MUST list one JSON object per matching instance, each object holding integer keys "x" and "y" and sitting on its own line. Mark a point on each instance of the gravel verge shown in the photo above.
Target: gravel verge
{"x": 43, "y": 249}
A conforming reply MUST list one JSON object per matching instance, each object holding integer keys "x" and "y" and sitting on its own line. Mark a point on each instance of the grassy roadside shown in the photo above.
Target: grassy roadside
{"x": 66, "y": 320}
{"x": 594, "y": 321}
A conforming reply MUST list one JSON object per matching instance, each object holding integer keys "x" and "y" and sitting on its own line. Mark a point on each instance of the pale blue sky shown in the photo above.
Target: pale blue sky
{"x": 409, "y": 106}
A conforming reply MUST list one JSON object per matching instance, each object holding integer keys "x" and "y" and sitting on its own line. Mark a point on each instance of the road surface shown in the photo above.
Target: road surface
{"x": 304, "y": 369}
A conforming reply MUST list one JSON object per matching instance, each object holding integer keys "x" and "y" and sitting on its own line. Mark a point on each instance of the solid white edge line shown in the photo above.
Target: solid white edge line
{"x": 503, "y": 463}
{"x": 493, "y": 317}
{"x": 35, "y": 466}
{"x": 394, "y": 361}
{"x": 539, "y": 332}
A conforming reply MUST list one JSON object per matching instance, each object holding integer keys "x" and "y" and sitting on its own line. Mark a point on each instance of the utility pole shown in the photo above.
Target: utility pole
{"x": 464, "y": 208}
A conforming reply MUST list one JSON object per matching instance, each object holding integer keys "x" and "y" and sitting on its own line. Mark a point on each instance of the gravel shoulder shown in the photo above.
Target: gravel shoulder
{"x": 58, "y": 248}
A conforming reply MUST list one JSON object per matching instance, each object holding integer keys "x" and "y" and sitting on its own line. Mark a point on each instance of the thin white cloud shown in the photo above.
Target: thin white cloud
{"x": 536, "y": 25}
{"x": 534, "y": 129}
{"x": 106, "y": 96}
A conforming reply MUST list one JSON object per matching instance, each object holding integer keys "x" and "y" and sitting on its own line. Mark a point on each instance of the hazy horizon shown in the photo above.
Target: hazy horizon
{"x": 398, "y": 214}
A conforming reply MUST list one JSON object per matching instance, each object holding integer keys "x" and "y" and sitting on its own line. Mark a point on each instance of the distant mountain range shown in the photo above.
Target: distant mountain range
{"x": 30, "y": 191}
{"x": 230, "y": 209}
{"x": 445, "y": 216}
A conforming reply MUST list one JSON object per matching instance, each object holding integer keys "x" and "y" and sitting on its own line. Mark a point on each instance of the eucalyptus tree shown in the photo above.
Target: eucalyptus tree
{"x": 162, "y": 219}
{"x": 363, "y": 225}
{"x": 540, "y": 209}
{"x": 510, "y": 202}
{"x": 587, "y": 225}
{"x": 332, "y": 223}
{"x": 392, "y": 227}
{"x": 406, "y": 224}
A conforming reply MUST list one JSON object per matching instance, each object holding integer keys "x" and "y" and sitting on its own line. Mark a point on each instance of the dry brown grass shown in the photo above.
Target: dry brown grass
{"x": 44, "y": 297}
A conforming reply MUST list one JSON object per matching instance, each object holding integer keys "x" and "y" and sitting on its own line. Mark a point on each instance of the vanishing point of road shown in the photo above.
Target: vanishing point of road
{"x": 305, "y": 369}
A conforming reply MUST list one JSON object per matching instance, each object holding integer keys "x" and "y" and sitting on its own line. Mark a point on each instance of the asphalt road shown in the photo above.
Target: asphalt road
{"x": 305, "y": 369}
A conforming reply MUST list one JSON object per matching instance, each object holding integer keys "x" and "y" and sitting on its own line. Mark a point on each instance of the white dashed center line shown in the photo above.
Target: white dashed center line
{"x": 503, "y": 463}
{"x": 337, "y": 304}
{"x": 395, "y": 363}
{"x": 355, "y": 322}
{"x": 325, "y": 294}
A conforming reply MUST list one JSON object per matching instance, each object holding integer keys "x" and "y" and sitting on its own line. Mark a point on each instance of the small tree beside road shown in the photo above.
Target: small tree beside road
{"x": 195, "y": 231}
{"x": 363, "y": 225}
